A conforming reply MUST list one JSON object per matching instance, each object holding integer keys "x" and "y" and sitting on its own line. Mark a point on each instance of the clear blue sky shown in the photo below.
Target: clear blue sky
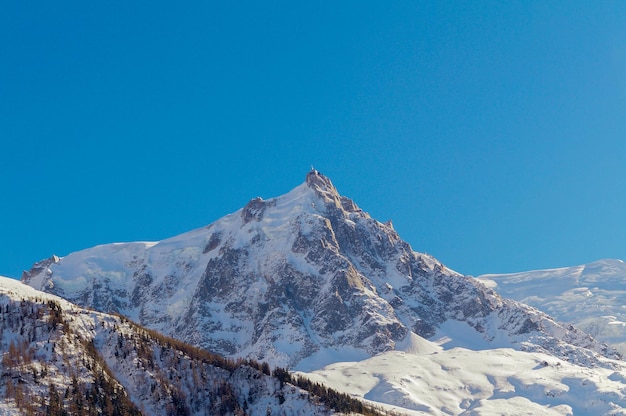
{"x": 493, "y": 134}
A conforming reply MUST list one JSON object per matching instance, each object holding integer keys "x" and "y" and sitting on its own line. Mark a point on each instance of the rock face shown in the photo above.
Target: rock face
{"x": 40, "y": 267}
{"x": 296, "y": 280}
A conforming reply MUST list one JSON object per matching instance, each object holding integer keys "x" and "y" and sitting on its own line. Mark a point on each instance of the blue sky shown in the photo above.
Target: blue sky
{"x": 493, "y": 134}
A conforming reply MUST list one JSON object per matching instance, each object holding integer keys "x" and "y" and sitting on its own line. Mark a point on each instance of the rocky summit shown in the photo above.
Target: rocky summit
{"x": 302, "y": 280}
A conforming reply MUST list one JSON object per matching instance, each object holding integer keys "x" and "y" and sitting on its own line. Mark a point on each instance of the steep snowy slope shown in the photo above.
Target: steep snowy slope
{"x": 591, "y": 296}
{"x": 57, "y": 357}
{"x": 301, "y": 280}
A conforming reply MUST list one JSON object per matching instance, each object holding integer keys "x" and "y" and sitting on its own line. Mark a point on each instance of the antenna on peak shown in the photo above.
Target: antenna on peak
{"x": 313, "y": 170}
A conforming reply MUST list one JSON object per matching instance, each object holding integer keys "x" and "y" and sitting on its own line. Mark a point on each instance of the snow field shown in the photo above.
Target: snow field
{"x": 460, "y": 381}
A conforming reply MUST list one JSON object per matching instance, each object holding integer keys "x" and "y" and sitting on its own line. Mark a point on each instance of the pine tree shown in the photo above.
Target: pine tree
{"x": 55, "y": 406}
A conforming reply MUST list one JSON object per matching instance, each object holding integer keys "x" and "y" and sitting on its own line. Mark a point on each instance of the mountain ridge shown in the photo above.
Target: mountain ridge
{"x": 297, "y": 280}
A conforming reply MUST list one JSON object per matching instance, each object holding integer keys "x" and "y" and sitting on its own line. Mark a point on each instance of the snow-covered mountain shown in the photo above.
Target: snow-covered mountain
{"x": 59, "y": 359}
{"x": 299, "y": 281}
{"x": 591, "y": 296}
{"x": 308, "y": 279}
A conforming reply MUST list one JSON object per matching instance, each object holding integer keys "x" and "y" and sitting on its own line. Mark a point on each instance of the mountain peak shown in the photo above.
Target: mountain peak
{"x": 321, "y": 184}
{"x": 324, "y": 188}
{"x": 294, "y": 279}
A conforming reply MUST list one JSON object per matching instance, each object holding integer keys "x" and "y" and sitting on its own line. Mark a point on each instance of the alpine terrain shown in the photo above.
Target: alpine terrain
{"x": 590, "y": 296}
{"x": 311, "y": 282}
{"x": 60, "y": 359}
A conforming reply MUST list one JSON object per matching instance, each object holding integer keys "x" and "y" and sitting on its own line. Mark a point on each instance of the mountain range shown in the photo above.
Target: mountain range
{"x": 310, "y": 282}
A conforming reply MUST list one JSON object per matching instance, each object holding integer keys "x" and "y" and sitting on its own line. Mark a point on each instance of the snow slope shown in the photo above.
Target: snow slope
{"x": 501, "y": 381}
{"x": 94, "y": 363}
{"x": 590, "y": 296}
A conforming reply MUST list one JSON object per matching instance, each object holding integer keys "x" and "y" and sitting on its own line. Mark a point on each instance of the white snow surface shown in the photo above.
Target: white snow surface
{"x": 590, "y": 296}
{"x": 430, "y": 380}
